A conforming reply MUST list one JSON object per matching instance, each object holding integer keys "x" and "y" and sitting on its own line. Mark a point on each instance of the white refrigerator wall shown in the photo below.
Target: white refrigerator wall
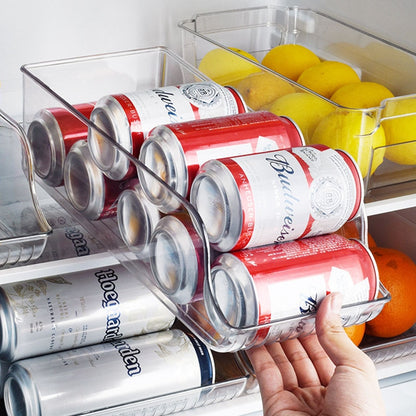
{"x": 34, "y": 31}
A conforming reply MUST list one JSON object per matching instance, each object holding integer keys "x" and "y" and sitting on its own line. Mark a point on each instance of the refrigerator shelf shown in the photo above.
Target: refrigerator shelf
{"x": 67, "y": 82}
{"x": 259, "y": 29}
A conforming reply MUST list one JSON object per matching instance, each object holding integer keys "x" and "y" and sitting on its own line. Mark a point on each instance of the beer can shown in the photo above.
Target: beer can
{"x": 286, "y": 280}
{"x": 70, "y": 241}
{"x": 55, "y": 313}
{"x": 128, "y": 118}
{"x": 136, "y": 218}
{"x": 176, "y": 254}
{"x": 253, "y": 200}
{"x": 176, "y": 151}
{"x": 88, "y": 189}
{"x": 51, "y": 133}
{"x": 107, "y": 375}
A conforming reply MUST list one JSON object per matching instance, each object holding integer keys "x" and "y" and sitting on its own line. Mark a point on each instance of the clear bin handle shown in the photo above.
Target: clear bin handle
{"x": 23, "y": 227}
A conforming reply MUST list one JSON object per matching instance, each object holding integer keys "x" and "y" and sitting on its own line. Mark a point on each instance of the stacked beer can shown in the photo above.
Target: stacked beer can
{"x": 271, "y": 215}
{"x": 101, "y": 339}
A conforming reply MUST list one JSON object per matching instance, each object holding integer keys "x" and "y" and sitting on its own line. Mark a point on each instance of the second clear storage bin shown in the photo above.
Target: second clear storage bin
{"x": 230, "y": 47}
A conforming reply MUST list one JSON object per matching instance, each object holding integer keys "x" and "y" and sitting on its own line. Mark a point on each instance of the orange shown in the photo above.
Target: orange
{"x": 356, "y": 333}
{"x": 398, "y": 274}
{"x": 371, "y": 242}
{"x": 350, "y": 230}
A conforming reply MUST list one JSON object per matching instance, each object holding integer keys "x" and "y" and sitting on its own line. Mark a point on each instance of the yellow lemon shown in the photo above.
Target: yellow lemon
{"x": 326, "y": 77}
{"x": 400, "y": 130}
{"x": 261, "y": 88}
{"x": 226, "y": 68}
{"x": 356, "y": 133}
{"x": 290, "y": 60}
{"x": 305, "y": 109}
{"x": 361, "y": 95}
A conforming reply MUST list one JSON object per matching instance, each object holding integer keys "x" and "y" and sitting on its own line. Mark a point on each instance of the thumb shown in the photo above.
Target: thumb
{"x": 332, "y": 336}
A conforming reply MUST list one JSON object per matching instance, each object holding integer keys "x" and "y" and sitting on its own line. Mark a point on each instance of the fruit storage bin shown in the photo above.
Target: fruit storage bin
{"x": 69, "y": 82}
{"x": 257, "y": 30}
{"x": 23, "y": 227}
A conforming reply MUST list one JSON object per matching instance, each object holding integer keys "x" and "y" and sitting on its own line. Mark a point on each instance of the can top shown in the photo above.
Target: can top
{"x": 173, "y": 259}
{"x": 136, "y": 218}
{"x": 7, "y": 328}
{"x": 108, "y": 116}
{"x": 46, "y": 140}
{"x": 215, "y": 195}
{"x": 84, "y": 182}
{"x": 20, "y": 393}
{"x": 162, "y": 153}
{"x": 231, "y": 298}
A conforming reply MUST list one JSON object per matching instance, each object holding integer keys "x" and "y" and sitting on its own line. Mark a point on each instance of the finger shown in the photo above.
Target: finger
{"x": 332, "y": 336}
{"x": 287, "y": 371}
{"x": 305, "y": 371}
{"x": 323, "y": 365}
{"x": 267, "y": 373}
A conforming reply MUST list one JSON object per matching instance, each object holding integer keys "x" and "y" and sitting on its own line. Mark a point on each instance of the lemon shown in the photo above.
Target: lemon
{"x": 401, "y": 129}
{"x": 327, "y": 76}
{"x": 305, "y": 109}
{"x": 357, "y": 134}
{"x": 226, "y": 68}
{"x": 361, "y": 95}
{"x": 261, "y": 88}
{"x": 290, "y": 60}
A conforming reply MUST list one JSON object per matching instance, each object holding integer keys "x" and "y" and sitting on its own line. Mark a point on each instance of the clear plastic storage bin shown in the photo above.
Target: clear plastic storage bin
{"x": 23, "y": 228}
{"x": 258, "y": 30}
{"x": 184, "y": 251}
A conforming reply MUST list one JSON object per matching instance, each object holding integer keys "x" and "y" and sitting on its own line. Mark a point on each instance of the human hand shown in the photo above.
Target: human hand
{"x": 320, "y": 374}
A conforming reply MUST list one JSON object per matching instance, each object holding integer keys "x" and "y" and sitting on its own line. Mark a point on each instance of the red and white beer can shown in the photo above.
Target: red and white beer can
{"x": 253, "y": 200}
{"x": 176, "y": 151}
{"x": 88, "y": 189}
{"x": 287, "y": 280}
{"x": 128, "y": 118}
{"x": 51, "y": 133}
{"x": 177, "y": 258}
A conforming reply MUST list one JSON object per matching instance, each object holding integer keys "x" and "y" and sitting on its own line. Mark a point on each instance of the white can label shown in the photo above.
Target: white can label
{"x": 132, "y": 369}
{"x": 174, "y": 104}
{"x": 298, "y": 193}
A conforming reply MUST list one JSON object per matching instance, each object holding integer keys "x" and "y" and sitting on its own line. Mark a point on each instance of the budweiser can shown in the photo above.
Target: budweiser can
{"x": 176, "y": 151}
{"x": 51, "y": 134}
{"x": 108, "y": 375}
{"x": 258, "y": 199}
{"x": 264, "y": 284}
{"x": 88, "y": 189}
{"x": 137, "y": 218}
{"x": 128, "y": 118}
{"x": 177, "y": 255}
{"x": 57, "y": 313}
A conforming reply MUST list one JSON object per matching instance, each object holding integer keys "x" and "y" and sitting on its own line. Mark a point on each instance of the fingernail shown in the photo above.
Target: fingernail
{"x": 336, "y": 302}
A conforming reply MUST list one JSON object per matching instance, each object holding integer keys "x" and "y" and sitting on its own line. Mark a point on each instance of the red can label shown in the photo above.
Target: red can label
{"x": 72, "y": 129}
{"x": 233, "y": 135}
{"x": 294, "y": 193}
